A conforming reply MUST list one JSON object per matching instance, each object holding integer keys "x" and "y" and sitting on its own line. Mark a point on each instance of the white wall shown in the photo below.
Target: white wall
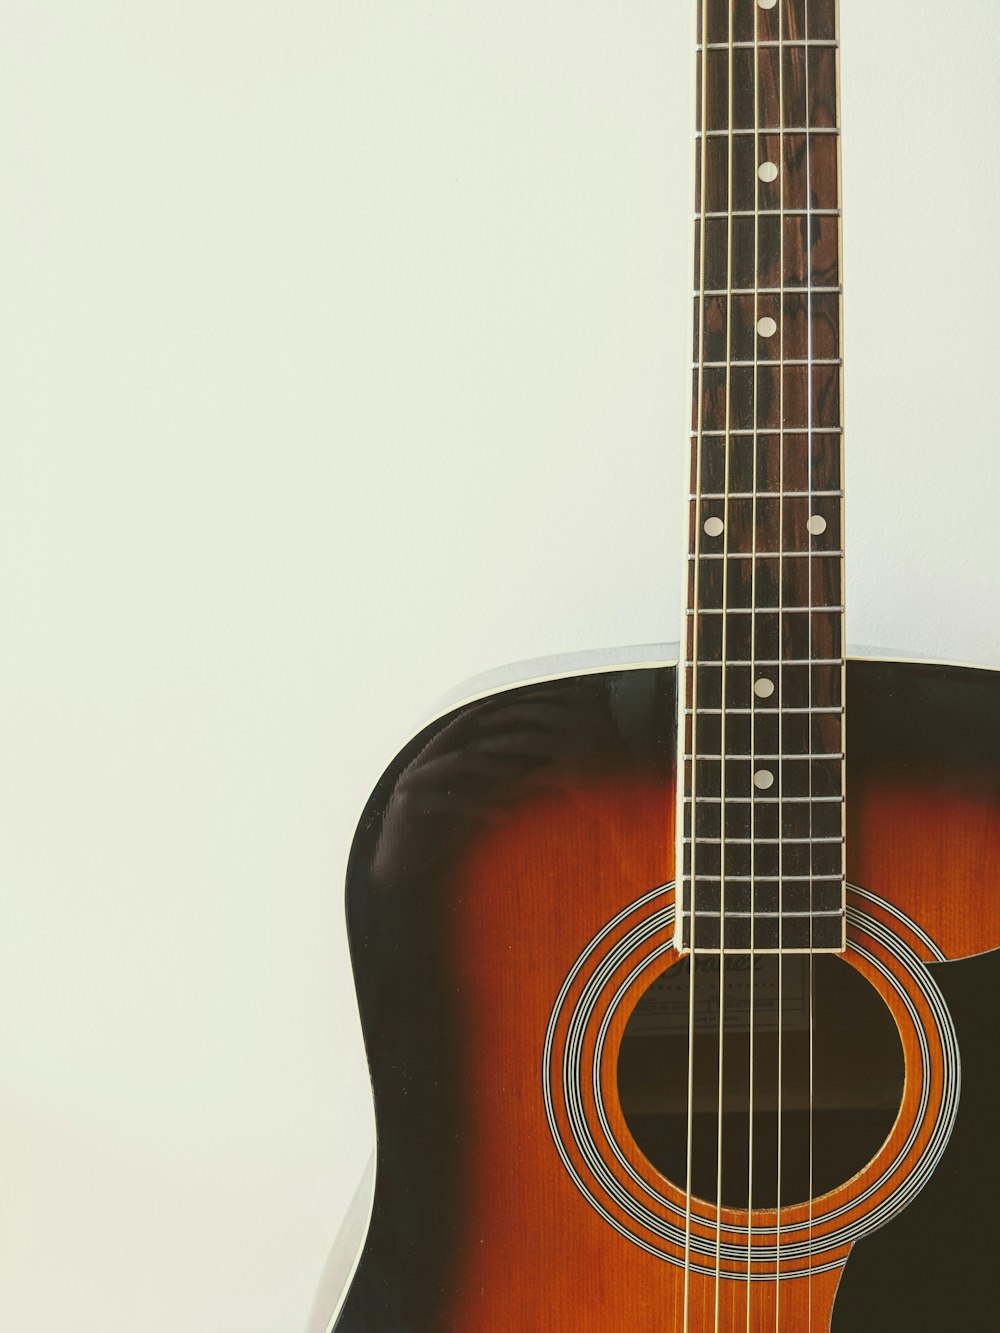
{"x": 343, "y": 358}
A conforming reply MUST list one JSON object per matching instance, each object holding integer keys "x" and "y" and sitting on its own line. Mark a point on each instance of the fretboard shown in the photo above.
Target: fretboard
{"x": 762, "y": 787}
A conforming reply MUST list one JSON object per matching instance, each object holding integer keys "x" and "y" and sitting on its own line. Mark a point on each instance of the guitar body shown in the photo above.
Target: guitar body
{"x": 510, "y": 904}
{"x": 671, "y": 978}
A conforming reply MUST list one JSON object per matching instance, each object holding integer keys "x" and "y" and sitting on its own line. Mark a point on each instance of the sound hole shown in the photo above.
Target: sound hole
{"x": 840, "y": 1075}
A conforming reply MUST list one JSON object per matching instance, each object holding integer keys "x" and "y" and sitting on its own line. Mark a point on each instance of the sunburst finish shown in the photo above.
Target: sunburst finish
{"x": 502, "y": 843}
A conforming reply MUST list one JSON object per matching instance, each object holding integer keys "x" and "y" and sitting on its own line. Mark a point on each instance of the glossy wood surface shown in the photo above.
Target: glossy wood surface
{"x": 502, "y": 841}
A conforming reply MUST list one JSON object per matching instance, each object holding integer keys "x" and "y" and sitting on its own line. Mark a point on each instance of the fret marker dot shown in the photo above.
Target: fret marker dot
{"x": 767, "y": 327}
{"x": 763, "y": 779}
{"x": 816, "y": 525}
{"x": 714, "y": 527}
{"x": 764, "y": 688}
{"x": 767, "y": 171}
{"x": 767, "y": 4}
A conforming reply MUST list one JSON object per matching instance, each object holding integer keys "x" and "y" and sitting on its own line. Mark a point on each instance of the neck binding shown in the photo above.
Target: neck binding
{"x": 762, "y": 785}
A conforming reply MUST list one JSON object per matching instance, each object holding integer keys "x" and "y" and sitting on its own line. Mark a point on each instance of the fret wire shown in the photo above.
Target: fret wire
{"x": 774, "y": 361}
{"x": 772, "y": 950}
{"x": 748, "y": 712}
{"x": 765, "y": 291}
{"x": 766, "y": 495}
{"x": 779, "y": 951}
{"x": 785, "y": 754}
{"x": 764, "y": 879}
{"x": 827, "y": 913}
{"x": 768, "y": 555}
{"x": 765, "y": 610}
{"x": 764, "y": 800}
{"x": 776, "y": 213}
{"x": 785, "y": 43}
{"x": 768, "y": 842}
{"x": 769, "y": 661}
{"x": 773, "y": 430}
{"x": 795, "y": 129}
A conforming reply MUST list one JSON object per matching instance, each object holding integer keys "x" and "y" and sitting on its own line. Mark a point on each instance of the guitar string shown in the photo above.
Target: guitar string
{"x": 753, "y": 668}
{"x": 702, "y": 15}
{"x": 723, "y": 672}
{"x": 809, "y": 669}
{"x": 781, "y": 649}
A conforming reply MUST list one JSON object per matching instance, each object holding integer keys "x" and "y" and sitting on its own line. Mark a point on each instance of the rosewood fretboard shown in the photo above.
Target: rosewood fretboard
{"x": 762, "y": 742}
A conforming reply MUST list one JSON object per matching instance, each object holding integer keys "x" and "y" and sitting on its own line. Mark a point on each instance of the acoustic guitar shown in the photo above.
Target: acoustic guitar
{"x": 658, "y": 962}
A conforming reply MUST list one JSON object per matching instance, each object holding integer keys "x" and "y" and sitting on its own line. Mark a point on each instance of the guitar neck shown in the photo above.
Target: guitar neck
{"x": 762, "y": 827}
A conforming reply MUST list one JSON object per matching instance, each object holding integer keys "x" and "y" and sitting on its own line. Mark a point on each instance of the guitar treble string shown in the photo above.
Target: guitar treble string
{"x": 724, "y": 700}
{"x": 695, "y": 600}
{"x": 781, "y": 649}
{"x": 753, "y": 674}
{"x": 809, "y": 669}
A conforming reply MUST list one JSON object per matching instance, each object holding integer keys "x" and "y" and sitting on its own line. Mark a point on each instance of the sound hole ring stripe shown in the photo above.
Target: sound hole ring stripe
{"x": 656, "y": 1228}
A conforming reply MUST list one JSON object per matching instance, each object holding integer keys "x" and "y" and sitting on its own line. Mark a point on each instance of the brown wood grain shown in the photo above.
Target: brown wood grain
{"x": 936, "y": 855}
{"x": 787, "y": 19}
